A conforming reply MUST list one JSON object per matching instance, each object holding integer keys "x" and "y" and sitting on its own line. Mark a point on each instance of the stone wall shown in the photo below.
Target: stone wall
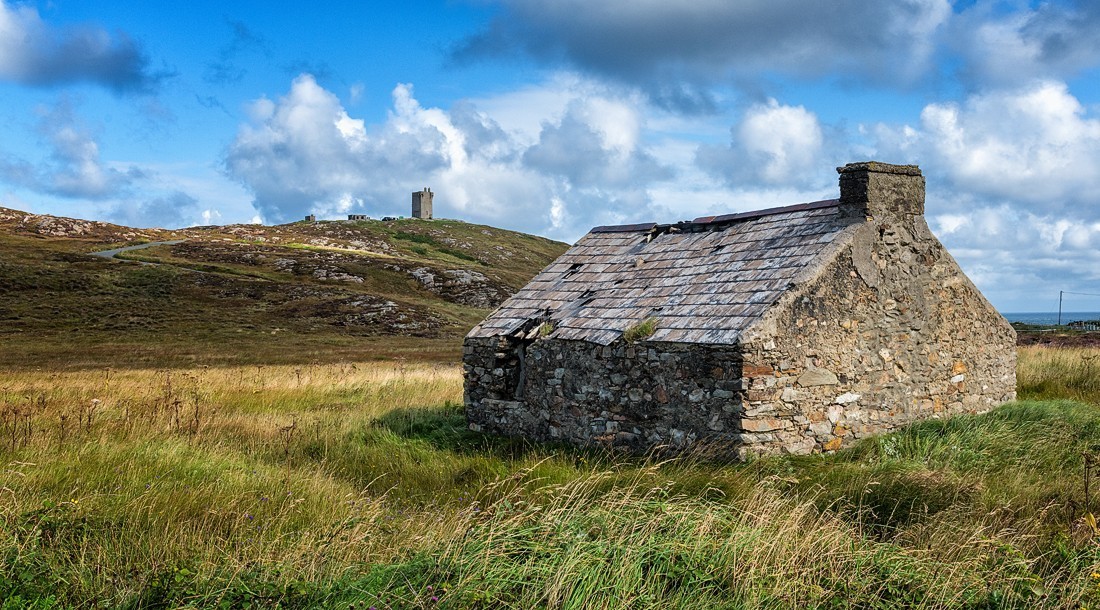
{"x": 636, "y": 396}
{"x": 889, "y": 333}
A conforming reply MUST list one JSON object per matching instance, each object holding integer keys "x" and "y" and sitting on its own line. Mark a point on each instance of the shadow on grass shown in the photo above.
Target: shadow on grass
{"x": 444, "y": 428}
{"x": 884, "y": 484}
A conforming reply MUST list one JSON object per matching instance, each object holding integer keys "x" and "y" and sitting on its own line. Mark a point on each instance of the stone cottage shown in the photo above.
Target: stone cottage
{"x": 796, "y": 329}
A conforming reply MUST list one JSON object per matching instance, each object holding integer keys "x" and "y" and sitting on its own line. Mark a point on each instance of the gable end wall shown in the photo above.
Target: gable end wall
{"x": 890, "y": 331}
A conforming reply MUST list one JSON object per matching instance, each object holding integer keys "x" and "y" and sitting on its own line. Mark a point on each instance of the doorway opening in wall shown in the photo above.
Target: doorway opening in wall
{"x": 511, "y": 355}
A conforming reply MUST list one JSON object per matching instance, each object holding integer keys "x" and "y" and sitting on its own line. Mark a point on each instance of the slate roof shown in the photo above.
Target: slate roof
{"x": 705, "y": 281}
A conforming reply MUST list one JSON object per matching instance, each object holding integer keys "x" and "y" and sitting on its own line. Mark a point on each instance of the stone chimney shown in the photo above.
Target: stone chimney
{"x": 877, "y": 190}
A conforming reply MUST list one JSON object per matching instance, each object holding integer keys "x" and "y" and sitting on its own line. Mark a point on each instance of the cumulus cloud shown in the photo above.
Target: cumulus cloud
{"x": 676, "y": 50}
{"x": 1050, "y": 40}
{"x": 595, "y": 145}
{"x": 1021, "y": 259}
{"x": 32, "y": 52}
{"x": 74, "y": 167}
{"x": 304, "y": 152}
{"x": 774, "y": 145}
{"x": 1012, "y": 176}
{"x": 173, "y": 210}
{"x": 1034, "y": 145}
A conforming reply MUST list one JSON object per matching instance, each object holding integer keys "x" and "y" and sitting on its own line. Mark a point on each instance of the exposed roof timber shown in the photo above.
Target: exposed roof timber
{"x": 713, "y": 221}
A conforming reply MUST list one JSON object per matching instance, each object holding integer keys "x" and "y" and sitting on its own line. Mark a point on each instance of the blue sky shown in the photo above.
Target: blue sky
{"x": 552, "y": 117}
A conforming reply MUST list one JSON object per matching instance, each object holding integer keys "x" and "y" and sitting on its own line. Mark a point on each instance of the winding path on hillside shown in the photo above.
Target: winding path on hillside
{"x": 113, "y": 254}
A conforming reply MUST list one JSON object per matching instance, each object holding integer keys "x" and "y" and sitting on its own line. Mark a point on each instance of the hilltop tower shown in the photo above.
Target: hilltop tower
{"x": 422, "y": 204}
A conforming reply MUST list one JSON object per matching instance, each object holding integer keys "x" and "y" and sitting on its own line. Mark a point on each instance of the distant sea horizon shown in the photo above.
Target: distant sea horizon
{"x": 1050, "y": 317}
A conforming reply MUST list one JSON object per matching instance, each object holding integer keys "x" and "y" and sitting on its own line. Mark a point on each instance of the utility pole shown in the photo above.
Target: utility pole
{"x": 1060, "y": 307}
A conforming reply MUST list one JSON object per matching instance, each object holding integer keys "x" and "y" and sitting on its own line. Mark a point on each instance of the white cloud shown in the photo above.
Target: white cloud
{"x": 34, "y": 53}
{"x": 1021, "y": 259}
{"x": 773, "y": 145}
{"x": 595, "y": 145}
{"x": 305, "y": 152}
{"x": 1012, "y": 176}
{"x": 210, "y": 217}
{"x": 173, "y": 210}
{"x": 74, "y": 167}
{"x": 1034, "y": 145}
{"x": 1006, "y": 48}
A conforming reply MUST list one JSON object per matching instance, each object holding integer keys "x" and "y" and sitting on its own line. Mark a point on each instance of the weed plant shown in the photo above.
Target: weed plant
{"x": 640, "y": 330}
{"x": 358, "y": 485}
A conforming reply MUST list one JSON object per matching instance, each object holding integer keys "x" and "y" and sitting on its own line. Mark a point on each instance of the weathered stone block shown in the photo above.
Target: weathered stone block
{"x": 816, "y": 377}
{"x": 764, "y": 424}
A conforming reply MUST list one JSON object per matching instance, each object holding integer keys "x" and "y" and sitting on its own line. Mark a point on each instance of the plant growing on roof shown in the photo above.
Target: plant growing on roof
{"x": 641, "y": 330}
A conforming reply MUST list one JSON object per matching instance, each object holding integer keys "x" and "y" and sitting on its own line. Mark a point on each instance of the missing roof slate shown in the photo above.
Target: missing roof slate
{"x": 745, "y": 261}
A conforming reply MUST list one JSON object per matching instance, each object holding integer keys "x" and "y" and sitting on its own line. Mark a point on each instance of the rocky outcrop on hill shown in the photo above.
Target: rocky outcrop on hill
{"x": 45, "y": 225}
{"x": 462, "y": 286}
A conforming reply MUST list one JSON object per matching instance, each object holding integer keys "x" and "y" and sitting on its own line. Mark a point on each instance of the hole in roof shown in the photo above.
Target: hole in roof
{"x": 584, "y": 298}
{"x": 575, "y": 267}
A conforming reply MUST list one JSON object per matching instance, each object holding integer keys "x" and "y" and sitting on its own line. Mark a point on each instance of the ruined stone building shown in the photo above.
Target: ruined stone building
{"x": 796, "y": 329}
{"x": 422, "y": 204}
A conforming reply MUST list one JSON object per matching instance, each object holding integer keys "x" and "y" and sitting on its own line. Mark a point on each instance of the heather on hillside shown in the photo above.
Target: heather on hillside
{"x": 299, "y": 293}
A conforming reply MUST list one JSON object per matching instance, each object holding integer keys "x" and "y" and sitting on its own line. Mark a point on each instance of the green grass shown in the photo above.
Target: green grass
{"x": 414, "y": 237}
{"x": 641, "y": 330}
{"x": 333, "y": 484}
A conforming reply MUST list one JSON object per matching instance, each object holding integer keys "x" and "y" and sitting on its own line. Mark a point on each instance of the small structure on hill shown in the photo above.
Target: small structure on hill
{"x": 311, "y": 218}
{"x": 796, "y": 329}
{"x": 422, "y": 204}
{"x": 358, "y": 217}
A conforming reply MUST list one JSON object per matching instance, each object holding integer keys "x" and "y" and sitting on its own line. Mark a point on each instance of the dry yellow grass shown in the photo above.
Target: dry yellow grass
{"x": 208, "y": 468}
{"x": 43, "y": 407}
{"x": 1045, "y": 373}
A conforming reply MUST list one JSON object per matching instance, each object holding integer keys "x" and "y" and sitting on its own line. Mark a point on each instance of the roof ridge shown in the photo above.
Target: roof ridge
{"x": 645, "y": 227}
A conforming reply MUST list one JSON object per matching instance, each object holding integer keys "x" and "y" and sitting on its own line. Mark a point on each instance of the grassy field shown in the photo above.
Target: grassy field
{"x": 357, "y": 485}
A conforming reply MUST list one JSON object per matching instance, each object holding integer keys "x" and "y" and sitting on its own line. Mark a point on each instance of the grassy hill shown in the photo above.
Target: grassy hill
{"x": 296, "y": 293}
